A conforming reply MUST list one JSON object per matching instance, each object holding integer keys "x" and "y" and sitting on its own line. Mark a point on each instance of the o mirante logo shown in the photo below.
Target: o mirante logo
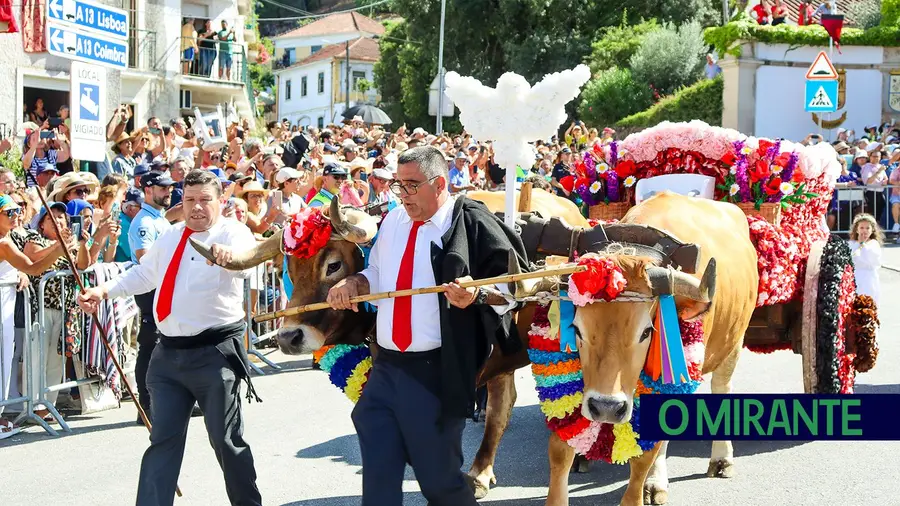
{"x": 799, "y": 417}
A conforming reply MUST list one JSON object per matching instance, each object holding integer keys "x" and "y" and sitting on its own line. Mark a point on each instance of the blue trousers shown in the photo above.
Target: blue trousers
{"x": 396, "y": 419}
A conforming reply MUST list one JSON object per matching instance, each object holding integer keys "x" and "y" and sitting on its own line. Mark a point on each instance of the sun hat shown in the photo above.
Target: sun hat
{"x": 70, "y": 181}
{"x": 286, "y": 173}
{"x": 254, "y": 187}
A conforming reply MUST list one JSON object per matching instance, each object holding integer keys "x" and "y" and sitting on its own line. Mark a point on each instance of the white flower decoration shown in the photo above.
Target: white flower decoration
{"x": 776, "y": 169}
{"x": 595, "y": 187}
{"x": 746, "y": 150}
{"x": 733, "y": 170}
{"x": 734, "y": 189}
{"x": 602, "y": 168}
{"x": 629, "y": 181}
{"x": 786, "y": 188}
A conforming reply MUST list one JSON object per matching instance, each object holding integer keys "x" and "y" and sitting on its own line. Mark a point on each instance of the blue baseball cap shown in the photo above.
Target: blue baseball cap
{"x": 141, "y": 169}
{"x": 45, "y": 167}
{"x": 134, "y": 195}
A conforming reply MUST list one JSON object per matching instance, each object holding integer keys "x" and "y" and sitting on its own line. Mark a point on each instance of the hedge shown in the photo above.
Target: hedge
{"x": 702, "y": 101}
{"x": 724, "y": 38}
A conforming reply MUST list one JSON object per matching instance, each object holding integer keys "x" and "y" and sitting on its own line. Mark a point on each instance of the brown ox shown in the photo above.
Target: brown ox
{"x": 613, "y": 345}
{"x": 313, "y": 277}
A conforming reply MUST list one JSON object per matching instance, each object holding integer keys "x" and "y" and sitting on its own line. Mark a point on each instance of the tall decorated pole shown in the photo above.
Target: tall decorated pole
{"x": 514, "y": 114}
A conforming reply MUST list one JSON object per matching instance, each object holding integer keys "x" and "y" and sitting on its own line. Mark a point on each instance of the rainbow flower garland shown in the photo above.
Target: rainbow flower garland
{"x": 347, "y": 367}
{"x": 560, "y": 386}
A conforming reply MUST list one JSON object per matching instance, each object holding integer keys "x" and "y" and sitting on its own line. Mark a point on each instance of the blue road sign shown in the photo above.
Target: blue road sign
{"x": 72, "y": 44}
{"x": 90, "y": 102}
{"x": 821, "y": 96}
{"x": 90, "y": 16}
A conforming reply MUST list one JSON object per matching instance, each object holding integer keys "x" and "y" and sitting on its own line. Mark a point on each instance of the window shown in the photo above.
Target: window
{"x": 290, "y": 56}
{"x": 313, "y": 49}
{"x": 321, "y": 82}
{"x": 303, "y": 86}
{"x": 321, "y": 122}
{"x": 287, "y": 89}
{"x": 357, "y": 76}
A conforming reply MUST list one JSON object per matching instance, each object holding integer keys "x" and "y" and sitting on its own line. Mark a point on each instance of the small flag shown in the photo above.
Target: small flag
{"x": 833, "y": 23}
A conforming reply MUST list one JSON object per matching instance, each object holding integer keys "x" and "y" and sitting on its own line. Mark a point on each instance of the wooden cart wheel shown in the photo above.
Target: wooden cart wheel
{"x": 808, "y": 328}
{"x": 829, "y": 290}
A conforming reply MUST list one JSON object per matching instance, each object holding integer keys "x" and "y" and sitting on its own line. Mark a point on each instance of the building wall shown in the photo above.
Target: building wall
{"x": 305, "y": 110}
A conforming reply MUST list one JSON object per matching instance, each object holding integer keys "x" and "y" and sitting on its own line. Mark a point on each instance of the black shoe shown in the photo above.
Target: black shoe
{"x": 196, "y": 411}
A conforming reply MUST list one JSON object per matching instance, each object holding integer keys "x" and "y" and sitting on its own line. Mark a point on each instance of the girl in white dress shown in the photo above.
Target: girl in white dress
{"x": 866, "y": 239}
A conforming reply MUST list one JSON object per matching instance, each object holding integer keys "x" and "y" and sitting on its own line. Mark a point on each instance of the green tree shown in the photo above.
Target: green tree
{"x": 617, "y": 44}
{"x": 670, "y": 58}
{"x": 611, "y": 96}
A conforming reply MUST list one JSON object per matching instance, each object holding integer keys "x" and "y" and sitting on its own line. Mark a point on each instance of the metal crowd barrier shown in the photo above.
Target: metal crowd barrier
{"x": 263, "y": 293}
{"x": 27, "y": 392}
{"x": 849, "y": 201}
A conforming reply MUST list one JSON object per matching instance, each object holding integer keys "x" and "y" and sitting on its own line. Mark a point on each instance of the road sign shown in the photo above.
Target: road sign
{"x": 822, "y": 68}
{"x": 821, "y": 96}
{"x": 91, "y": 48}
{"x": 90, "y": 16}
{"x": 87, "y": 93}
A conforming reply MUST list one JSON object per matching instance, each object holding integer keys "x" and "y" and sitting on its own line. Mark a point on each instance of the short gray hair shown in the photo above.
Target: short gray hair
{"x": 251, "y": 143}
{"x": 431, "y": 161}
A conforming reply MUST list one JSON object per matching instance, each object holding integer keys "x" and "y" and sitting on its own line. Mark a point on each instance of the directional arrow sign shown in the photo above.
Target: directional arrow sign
{"x": 91, "y": 48}
{"x": 90, "y": 16}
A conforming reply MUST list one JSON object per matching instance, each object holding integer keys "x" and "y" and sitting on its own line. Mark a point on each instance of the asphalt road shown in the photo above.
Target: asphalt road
{"x": 307, "y": 453}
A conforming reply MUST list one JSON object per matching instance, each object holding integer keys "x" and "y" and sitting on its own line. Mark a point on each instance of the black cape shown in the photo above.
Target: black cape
{"x": 478, "y": 245}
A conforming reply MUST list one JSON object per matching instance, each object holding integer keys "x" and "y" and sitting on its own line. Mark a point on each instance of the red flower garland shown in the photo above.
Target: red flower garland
{"x": 308, "y": 232}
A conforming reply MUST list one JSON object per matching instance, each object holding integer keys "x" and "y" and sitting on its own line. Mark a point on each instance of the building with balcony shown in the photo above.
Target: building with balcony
{"x": 315, "y": 64}
{"x": 157, "y": 82}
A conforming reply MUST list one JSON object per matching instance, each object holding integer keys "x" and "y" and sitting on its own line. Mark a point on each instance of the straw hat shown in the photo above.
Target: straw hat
{"x": 123, "y": 137}
{"x": 360, "y": 164}
{"x": 70, "y": 181}
{"x": 254, "y": 187}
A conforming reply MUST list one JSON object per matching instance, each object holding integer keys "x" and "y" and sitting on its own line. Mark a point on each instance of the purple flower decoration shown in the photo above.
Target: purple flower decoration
{"x": 585, "y": 193}
{"x": 773, "y": 151}
{"x": 741, "y": 177}
{"x": 590, "y": 167}
{"x": 612, "y": 185}
{"x": 788, "y": 171}
{"x": 613, "y": 154}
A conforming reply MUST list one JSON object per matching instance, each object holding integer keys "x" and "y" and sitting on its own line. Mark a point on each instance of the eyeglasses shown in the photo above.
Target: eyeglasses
{"x": 399, "y": 188}
{"x": 13, "y": 212}
{"x": 81, "y": 191}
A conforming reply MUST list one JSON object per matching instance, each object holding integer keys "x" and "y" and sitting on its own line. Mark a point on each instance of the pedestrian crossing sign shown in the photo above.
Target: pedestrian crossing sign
{"x": 821, "y": 96}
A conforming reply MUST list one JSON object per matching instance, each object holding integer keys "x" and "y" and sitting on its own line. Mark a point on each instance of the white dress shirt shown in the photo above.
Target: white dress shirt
{"x": 205, "y": 295}
{"x": 384, "y": 266}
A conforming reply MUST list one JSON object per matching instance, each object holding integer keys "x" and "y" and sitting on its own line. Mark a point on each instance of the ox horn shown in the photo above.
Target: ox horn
{"x": 354, "y": 226}
{"x": 668, "y": 281}
{"x": 241, "y": 260}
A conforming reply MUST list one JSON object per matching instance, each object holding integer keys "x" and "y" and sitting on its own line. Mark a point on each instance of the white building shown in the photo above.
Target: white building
{"x": 312, "y": 64}
{"x": 155, "y": 82}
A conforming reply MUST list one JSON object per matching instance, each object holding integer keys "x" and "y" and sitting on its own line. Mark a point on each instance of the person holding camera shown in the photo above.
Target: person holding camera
{"x": 42, "y": 147}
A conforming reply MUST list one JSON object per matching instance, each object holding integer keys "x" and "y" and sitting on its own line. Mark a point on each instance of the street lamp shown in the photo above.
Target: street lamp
{"x": 440, "y": 109}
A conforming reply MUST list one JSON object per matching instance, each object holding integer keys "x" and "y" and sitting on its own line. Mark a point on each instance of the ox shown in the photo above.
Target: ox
{"x": 611, "y": 336}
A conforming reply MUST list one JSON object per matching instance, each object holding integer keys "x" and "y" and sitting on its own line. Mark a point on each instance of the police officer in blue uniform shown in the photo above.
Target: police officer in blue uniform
{"x": 149, "y": 223}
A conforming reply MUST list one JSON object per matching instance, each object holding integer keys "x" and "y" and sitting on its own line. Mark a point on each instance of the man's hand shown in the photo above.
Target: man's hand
{"x": 89, "y": 300}
{"x": 340, "y": 294}
{"x": 459, "y": 296}
{"x": 221, "y": 253}
{"x": 23, "y": 282}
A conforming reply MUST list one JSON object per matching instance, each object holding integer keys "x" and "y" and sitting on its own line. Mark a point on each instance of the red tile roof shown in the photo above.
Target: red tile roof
{"x": 346, "y": 22}
{"x": 362, "y": 49}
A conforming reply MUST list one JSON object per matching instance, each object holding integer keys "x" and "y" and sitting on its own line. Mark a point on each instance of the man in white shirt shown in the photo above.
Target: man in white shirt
{"x": 199, "y": 313}
{"x": 422, "y": 385}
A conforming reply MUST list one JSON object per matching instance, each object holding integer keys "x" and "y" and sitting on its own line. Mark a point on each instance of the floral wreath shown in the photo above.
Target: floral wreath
{"x": 307, "y": 233}
{"x": 347, "y": 366}
{"x": 560, "y": 386}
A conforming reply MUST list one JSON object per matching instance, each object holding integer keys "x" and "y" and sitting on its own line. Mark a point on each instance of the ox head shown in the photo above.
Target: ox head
{"x": 614, "y": 337}
{"x": 313, "y": 277}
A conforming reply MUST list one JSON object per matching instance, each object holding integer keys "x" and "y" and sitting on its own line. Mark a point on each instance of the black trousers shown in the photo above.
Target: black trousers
{"x": 147, "y": 337}
{"x": 397, "y": 422}
{"x": 176, "y": 379}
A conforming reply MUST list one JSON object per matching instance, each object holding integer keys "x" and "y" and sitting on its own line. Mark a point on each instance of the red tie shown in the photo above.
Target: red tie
{"x": 164, "y": 303}
{"x": 403, "y": 305}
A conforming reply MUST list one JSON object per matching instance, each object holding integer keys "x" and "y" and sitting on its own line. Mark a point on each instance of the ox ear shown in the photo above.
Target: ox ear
{"x": 689, "y": 309}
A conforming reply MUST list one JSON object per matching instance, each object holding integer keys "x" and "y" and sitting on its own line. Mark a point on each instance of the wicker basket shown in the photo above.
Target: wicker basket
{"x": 609, "y": 212}
{"x": 771, "y": 212}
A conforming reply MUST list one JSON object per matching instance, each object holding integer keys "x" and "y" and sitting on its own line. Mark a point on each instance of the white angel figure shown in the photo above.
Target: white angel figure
{"x": 515, "y": 113}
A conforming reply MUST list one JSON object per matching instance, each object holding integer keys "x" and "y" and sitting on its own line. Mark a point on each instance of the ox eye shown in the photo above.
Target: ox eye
{"x": 646, "y": 335}
{"x": 332, "y": 268}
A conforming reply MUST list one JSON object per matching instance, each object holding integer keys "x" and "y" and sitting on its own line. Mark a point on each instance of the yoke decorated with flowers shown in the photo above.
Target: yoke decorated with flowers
{"x": 807, "y": 294}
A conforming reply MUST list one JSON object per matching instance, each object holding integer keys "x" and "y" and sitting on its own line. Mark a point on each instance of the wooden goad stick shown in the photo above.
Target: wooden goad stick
{"x": 506, "y": 278}
{"x": 96, "y": 320}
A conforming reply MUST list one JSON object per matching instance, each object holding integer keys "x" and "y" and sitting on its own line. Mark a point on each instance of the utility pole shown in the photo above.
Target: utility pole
{"x": 440, "y": 112}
